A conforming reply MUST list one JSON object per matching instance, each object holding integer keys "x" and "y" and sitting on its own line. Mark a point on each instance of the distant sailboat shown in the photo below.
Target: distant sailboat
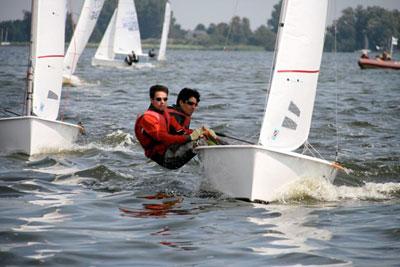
{"x": 261, "y": 172}
{"x": 165, "y": 31}
{"x": 4, "y": 41}
{"x": 121, "y": 37}
{"x": 87, "y": 20}
{"x": 39, "y": 131}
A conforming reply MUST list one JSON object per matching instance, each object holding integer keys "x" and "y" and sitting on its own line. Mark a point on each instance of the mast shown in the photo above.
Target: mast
{"x": 29, "y": 74}
{"x": 281, "y": 24}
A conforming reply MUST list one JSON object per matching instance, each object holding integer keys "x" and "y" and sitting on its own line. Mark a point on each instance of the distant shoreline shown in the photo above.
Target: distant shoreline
{"x": 154, "y": 45}
{"x": 175, "y": 46}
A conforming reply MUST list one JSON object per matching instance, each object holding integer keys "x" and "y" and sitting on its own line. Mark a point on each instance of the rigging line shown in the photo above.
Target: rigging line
{"x": 64, "y": 88}
{"x": 74, "y": 22}
{"x": 315, "y": 150}
{"x": 336, "y": 85}
{"x": 6, "y": 111}
{"x": 281, "y": 24}
{"x": 230, "y": 25}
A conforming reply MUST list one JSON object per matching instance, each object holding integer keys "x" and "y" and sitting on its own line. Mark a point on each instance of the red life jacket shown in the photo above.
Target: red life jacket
{"x": 149, "y": 144}
{"x": 179, "y": 121}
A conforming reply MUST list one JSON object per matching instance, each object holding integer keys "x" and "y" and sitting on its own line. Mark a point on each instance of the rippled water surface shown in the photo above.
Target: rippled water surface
{"x": 103, "y": 203}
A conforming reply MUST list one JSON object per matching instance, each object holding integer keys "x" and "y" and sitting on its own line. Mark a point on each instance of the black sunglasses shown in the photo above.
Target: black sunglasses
{"x": 158, "y": 99}
{"x": 191, "y": 103}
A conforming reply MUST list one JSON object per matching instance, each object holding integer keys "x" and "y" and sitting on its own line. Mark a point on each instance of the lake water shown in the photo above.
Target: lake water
{"x": 103, "y": 203}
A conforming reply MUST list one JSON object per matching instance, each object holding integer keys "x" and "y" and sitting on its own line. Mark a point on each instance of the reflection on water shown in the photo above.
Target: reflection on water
{"x": 169, "y": 205}
{"x": 295, "y": 231}
{"x": 290, "y": 231}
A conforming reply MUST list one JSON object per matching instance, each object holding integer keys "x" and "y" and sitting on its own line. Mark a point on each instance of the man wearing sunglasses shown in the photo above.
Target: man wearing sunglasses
{"x": 181, "y": 115}
{"x": 151, "y": 129}
{"x": 181, "y": 112}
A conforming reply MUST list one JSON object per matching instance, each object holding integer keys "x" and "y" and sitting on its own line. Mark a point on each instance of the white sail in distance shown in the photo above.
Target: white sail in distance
{"x": 165, "y": 31}
{"x": 87, "y": 20}
{"x": 47, "y": 55}
{"x": 127, "y": 34}
{"x": 288, "y": 113}
{"x": 105, "y": 49}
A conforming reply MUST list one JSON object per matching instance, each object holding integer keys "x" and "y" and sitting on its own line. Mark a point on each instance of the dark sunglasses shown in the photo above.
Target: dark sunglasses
{"x": 190, "y": 103}
{"x": 158, "y": 99}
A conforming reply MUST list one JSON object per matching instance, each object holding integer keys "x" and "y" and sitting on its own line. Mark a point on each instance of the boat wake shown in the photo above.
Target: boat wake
{"x": 312, "y": 190}
{"x": 79, "y": 82}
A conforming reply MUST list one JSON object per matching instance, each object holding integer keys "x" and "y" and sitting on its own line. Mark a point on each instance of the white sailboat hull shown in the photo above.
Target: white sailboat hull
{"x": 33, "y": 135}
{"x": 256, "y": 173}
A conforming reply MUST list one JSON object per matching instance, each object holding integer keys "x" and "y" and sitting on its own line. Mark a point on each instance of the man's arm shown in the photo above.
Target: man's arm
{"x": 177, "y": 127}
{"x": 152, "y": 127}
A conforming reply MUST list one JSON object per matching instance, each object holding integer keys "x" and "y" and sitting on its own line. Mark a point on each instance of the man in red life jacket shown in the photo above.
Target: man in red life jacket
{"x": 181, "y": 114}
{"x": 151, "y": 130}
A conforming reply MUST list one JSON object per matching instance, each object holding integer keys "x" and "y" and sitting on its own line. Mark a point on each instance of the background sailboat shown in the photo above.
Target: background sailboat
{"x": 39, "y": 131}
{"x": 122, "y": 36}
{"x": 4, "y": 41}
{"x": 260, "y": 172}
{"x": 87, "y": 20}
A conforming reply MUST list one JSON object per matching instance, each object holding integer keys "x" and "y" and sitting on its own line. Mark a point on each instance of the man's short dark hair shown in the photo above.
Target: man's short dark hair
{"x": 157, "y": 88}
{"x": 187, "y": 93}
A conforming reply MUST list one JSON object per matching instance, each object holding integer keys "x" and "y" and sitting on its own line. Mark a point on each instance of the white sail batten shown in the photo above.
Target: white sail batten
{"x": 288, "y": 113}
{"x": 87, "y": 20}
{"x": 105, "y": 49}
{"x": 47, "y": 53}
{"x": 165, "y": 31}
{"x": 127, "y": 34}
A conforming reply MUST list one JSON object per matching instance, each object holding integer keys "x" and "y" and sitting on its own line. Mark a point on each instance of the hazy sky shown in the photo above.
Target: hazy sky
{"x": 189, "y": 13}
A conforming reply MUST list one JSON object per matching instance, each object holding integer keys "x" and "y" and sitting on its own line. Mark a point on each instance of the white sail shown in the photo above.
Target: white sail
{"x": 4, "y": 41}
{"x": 288, "y": 113}
{"x": 47, "y": 54}
{"x": 105, "y": 49}
{"x": 87, "y": 20}
{"x": 127, "y": 35}
{"x": 165, "y": 31}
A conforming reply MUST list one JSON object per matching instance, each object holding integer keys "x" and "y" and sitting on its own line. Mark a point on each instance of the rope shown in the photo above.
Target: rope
{"x": 8, "y": 112}
{"x": 308, "y": 147}
{"x": 336, "y": 87}
{"x": 67, "y": 96}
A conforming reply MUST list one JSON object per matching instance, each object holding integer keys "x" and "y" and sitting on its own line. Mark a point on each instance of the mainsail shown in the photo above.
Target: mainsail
{"x": 47, "y": 55}
{"x": 288, "y": 113}
{"x": 127, "y": 35}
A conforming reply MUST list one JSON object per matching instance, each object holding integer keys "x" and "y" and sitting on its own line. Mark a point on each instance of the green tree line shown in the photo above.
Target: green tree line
{"x": 363, "y": 28}
{"x": 356, "y": 28}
